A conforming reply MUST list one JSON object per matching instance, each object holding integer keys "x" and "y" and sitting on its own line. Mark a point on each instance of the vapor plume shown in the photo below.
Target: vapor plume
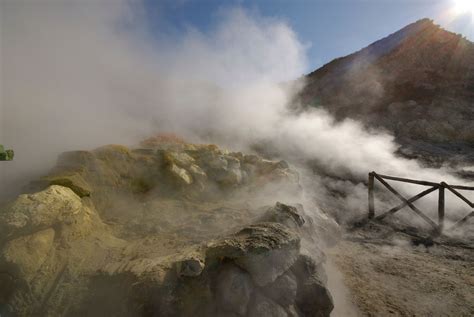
{"x": 76, "y": 75}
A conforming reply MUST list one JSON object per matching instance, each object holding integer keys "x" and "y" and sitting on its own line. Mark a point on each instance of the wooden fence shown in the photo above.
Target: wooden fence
{"x": 440, "y": 187}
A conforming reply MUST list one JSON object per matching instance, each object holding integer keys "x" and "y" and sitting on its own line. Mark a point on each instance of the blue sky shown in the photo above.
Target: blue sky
{"x": 330, "y": 28}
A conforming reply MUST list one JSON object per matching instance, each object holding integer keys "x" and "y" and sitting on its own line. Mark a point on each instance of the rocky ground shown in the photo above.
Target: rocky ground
{"x": 163, "y": 230}
{"x": 393, "y": 273}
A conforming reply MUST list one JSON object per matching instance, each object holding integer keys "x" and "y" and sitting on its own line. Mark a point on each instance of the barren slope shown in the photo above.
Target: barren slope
{"x": 417, "y": 83}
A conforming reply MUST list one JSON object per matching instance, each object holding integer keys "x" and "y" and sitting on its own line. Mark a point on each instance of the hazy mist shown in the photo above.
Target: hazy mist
{"x": 76, "y": 75}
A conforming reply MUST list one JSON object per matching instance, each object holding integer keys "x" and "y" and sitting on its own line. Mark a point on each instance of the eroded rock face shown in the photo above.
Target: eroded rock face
{"x": 264, "y": 250}
{"x": 32, "y": 212}
{"x": 168, "y": 231}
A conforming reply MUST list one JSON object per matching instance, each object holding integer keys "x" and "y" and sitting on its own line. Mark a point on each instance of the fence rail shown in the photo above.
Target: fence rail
{"x": 440, "y": 187}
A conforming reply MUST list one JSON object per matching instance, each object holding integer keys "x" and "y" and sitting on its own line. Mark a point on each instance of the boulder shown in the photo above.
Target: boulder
{"x": 32, "y": 212}
{"x": 306, "y": 266}
{"x": 283, "y": 289}
{"x": 223, "y": 169}
{"x": 265, "y": 250}
{"x": 262, "y": 306}
{"x": 284, "y": 214}
{"x": 233, "y": 289}
{"x": 181, "y": 159}
{"x": 312, "y": 297}
{"x": 73, "y": 181}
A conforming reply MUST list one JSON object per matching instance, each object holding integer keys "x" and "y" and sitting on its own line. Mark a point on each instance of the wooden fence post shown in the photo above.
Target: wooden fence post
{"x": 441, "y": 208}
{"x": 371, "y": 196}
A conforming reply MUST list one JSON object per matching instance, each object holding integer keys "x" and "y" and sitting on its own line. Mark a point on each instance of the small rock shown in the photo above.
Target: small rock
{"x": 181, "y": 175}
{"x": 190, "y": 267}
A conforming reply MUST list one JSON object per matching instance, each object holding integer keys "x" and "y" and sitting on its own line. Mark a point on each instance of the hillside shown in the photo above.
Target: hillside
{"x": 417, "y": 83}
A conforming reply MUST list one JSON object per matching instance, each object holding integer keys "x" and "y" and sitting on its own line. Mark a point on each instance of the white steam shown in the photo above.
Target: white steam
{"x": 79, "y": 74}
{"x": 76, "y": 75}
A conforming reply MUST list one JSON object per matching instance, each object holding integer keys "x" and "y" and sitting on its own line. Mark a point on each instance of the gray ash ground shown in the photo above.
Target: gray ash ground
{"x": 395, "y": 272}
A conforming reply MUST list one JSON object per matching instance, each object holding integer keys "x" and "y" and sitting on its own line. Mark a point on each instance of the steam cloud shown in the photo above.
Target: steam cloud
{"x": 79, "y": 74}
{"x": 76, "y": 75}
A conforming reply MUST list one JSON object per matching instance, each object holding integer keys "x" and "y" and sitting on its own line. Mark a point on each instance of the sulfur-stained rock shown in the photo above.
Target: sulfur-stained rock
{"x": 181, "y": 159}
{"x": 198, "y": 249}
{"x": 30, "y": 212}
{"x": 24, "y": 256}
{"x": 73, "y": 181}
{"x": 181, "y": 175}
{"x": 197, "y": 173}
{"x": 113, "y": 162}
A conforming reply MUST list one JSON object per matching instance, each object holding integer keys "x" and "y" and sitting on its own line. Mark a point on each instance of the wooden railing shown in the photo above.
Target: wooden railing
{"x": 440, "y": 187}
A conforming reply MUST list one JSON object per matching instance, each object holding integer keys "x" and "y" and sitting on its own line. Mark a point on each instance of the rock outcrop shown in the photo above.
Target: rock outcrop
{"x": 170, "y": 230}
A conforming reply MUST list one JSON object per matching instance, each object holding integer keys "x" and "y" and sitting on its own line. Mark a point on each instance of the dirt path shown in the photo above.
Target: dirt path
{"x": 399, "y": 279}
